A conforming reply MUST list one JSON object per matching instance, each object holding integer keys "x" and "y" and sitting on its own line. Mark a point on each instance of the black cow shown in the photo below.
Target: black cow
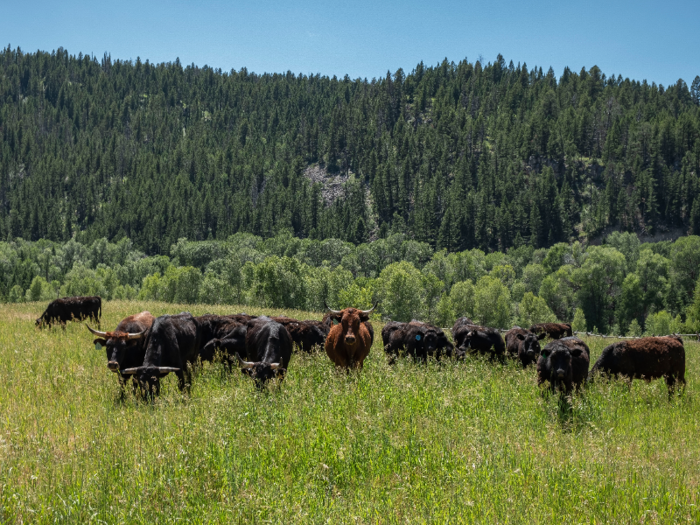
{"x": 305, "y": 334}
{"x": 268, "y": 350}
{"x": 126, "y": 345}
{"x": 418, "y": 339}
{"x": 646, "y": 358}
{"x": 225, "y": 333}
{"x": 523, "y": 345}
{"x": 174, "y": 342}
{"x": 69, "y": 308}
{"x": 469, "y": 337}
{"x": 564, "y": 364}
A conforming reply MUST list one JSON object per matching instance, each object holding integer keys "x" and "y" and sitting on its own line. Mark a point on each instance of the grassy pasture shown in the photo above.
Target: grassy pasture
{"x": 451, "y": 442}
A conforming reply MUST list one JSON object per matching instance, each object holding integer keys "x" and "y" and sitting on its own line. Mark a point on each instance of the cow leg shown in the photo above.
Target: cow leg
{"x": 674, "y": 383}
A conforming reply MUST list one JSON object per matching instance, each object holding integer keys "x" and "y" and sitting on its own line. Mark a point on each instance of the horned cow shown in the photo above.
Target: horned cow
{"x": 126, "y": 345}
{"x": 349, "y": 342}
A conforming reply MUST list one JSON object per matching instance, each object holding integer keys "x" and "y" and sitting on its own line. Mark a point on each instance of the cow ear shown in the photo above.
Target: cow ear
{"x": 542, "y": 336}
{"x": 280, "y": 372}
{"x": 576, "y": 352}
{"x": 99, "y": 343}
{"x": 521, "y": 337}
{"x": 364, "y": 317}
{"x": 545, "y": 353}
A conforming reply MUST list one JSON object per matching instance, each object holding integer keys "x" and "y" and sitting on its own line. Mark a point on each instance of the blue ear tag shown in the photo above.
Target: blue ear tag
{"x": 98, "y": 346}
{"x": 418, "y": 338}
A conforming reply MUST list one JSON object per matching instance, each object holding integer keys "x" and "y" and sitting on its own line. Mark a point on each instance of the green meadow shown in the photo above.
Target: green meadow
{"x": 464, "y": 442}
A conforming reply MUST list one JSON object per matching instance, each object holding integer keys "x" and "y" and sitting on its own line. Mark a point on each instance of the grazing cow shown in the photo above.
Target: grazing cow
{"x": 523, "y": 345}
{"x": 564, "y": 364}
{"x": 418, "y": 339}
{"x": 126, "y": 345}
{"x": 222, "y": 332}
{"x": 174, "y": 342}
{"x": 469, "y": 337}
{"x": 646, "y": 358}
{"x": 349, "y": 342}
{"x": 305, "y": 334}
{"x": 268, "y": 349}
{"x": 552, "y": 330}
{"x": 69, "y": 308}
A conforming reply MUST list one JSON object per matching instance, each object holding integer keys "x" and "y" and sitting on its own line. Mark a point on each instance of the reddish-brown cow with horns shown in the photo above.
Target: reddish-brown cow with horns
{"x": 349, "y": 341}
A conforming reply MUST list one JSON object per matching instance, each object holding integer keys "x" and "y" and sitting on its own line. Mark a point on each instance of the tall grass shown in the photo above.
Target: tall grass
{"x": 463, "y": 442}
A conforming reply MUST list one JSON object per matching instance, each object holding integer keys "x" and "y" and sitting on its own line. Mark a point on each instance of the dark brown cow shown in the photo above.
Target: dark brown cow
{"x": 552, "y": 330}
{"x": 418, "y": 339}
{"x": 69, "y": 308}
{"x": 349, "y": 342}
{"x": 564, "y": 364}
{"x": 126, "y": 345}
{"x": 305, "y": 334}
{"x": 469, "y": 338}
{"x": 523, "y": 345}
{"x": 646, "y": 358}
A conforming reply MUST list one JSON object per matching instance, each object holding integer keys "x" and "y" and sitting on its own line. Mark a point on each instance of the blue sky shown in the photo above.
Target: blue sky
{"x": 656, "y": 41}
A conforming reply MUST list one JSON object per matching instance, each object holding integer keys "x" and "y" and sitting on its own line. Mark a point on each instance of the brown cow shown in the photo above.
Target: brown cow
{"x": 349, "y": 342}
{"x": 553, "y": 330}
{"x": 646, "y": 358}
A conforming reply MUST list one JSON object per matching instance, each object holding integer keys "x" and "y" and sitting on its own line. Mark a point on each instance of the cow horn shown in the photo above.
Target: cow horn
{"x": 97, "y": 332}
{"x": 243, "y": 364}
{"x": 130, "y": 371}
{"x": 275, "y": 366}
{"x": 166, "y": 369}
{"x": 331, "y": 310}
{"x": 368, "y": 311}
{"x": 138, "y": 335}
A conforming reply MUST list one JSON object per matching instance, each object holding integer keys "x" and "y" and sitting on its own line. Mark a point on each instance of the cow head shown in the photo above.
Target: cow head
{"x": 529, "y": 344}
{"x": 555, "y": 364}
{"x": 116, "y": 345}
{"x": 260, "y": 371}
{"x": 350, "y": 319}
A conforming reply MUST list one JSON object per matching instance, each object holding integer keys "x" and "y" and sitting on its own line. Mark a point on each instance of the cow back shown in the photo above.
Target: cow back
{"x": 173, "y": 342}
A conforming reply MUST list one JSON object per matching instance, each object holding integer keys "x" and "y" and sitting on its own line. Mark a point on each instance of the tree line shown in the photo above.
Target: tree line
{"x": 460, "y": 156}
{"x": 621, "y": 286}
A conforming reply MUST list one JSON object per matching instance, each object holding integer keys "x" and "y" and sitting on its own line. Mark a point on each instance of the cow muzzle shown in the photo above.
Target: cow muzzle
{"x": 113, "y": 366}
{"x": 350, "y": 340}
{"x": 560, "y": 374}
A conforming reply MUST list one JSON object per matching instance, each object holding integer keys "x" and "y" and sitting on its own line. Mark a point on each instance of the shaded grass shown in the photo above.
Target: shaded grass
{"x": 466, "y": 442}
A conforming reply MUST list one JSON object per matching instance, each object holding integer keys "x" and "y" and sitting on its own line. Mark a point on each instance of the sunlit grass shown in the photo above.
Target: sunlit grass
{"x": 460, "y": 442}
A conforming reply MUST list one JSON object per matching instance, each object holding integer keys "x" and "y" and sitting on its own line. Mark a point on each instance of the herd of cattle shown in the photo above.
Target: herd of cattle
{"x": 145, "y": 349}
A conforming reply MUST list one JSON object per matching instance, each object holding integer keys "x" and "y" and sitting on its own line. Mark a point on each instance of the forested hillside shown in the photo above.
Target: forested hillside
{"x": 459, "y": 156}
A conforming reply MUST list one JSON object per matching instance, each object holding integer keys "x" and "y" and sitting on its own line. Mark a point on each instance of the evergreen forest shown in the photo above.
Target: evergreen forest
{"x": 488, "y": 156}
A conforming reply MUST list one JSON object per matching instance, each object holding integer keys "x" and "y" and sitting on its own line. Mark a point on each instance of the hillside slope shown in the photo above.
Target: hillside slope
{"x": 458, "y": 155}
